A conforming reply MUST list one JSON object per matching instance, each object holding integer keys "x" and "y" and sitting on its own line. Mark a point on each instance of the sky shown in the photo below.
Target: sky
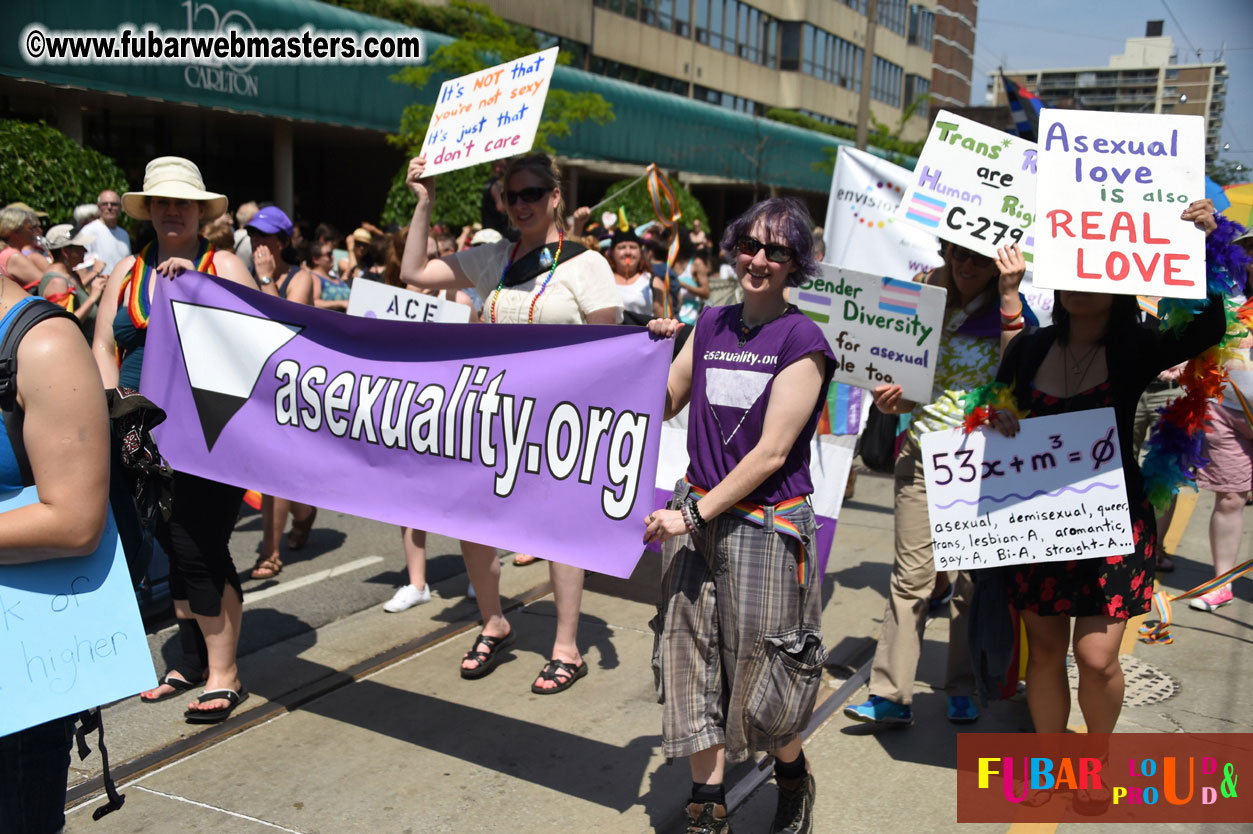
{"x": 1085, "y": 33}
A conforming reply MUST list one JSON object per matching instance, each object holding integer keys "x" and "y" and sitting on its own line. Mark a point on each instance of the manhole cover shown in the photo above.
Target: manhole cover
{"x": 1145, "y": 683}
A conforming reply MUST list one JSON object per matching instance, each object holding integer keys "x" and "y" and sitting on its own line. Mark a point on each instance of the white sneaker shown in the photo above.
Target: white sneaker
{"x": 470, "y": 590}
{"x": 406, "y": 597}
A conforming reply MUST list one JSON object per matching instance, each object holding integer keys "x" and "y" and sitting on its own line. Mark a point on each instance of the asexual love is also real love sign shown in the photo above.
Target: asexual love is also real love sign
{"x": 1111, "y": 189}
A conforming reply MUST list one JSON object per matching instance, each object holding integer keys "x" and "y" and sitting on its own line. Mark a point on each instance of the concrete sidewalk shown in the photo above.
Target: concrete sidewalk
{"x": 412, "y": 747}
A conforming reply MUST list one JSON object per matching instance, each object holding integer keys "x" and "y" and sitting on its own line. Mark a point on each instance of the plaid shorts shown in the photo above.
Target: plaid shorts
{"x": 737, "y": 652}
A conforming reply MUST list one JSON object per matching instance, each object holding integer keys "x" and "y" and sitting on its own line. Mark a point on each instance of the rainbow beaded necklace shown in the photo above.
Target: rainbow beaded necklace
{"x": 530, "y": 315}
{"x": 142, "y": 275}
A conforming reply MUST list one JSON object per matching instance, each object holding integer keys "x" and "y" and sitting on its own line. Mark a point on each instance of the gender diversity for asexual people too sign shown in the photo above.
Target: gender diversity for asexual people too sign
{"x": 489, "y": 114}
{"x": 975, "y": 186}
{"x": 1052, "y": 493}
{"x": 883, "y": 331}
{"x": 1111, "y": 188}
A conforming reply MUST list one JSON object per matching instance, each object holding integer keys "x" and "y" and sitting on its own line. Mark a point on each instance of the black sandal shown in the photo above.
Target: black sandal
{"x": 487, "y": 659}
{"x": 550, "y": 673}
{"x": 178, "y": 684}
{"x": 216, "y": 716}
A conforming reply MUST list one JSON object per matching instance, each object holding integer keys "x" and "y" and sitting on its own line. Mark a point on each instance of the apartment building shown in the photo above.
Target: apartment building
{"x": 1146, "y": 78}
{"x": 805, "y": 55}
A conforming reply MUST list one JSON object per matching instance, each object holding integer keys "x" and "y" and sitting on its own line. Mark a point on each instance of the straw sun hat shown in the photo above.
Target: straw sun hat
{"x": 174, "y": 178}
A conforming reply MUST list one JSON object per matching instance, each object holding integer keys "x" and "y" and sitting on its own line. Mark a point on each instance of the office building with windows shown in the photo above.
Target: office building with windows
{"x": 752, "y": 56}
{"x": 1145, "y": 78}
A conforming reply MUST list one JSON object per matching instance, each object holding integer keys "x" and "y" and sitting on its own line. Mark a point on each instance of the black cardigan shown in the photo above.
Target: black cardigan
{"x": 1134, "y": 358}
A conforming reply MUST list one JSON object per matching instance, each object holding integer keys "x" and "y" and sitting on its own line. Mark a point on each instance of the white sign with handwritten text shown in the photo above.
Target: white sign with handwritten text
{"x": 883, "y": 331}
{"x": 1052, "y": 493}
{"x": 70, "y": 633}
{"x": 1111, "y": 189}
{"x": 489, "y": 114}
{"x": 974, "y": 185}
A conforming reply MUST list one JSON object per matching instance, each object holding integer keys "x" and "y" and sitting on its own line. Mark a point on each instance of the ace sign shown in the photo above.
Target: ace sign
{"x": 1111, "y": 187}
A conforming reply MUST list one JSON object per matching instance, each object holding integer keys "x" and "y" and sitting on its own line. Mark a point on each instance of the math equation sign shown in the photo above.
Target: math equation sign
{"x": 1053, "y": 493}
{"x": 489, "y": 114}
{"x": 70, "y": 633}
{"x": 883, "y": 331}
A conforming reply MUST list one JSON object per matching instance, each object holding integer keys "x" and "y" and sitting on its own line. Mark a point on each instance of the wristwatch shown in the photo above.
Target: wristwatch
{"x": 263, "y": 281}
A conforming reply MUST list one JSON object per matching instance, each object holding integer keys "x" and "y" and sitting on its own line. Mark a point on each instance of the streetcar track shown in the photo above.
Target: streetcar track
{"x": 130, "y": 771}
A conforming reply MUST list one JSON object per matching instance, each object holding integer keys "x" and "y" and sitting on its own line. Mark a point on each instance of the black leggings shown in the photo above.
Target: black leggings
{"x": 197, "y": 539}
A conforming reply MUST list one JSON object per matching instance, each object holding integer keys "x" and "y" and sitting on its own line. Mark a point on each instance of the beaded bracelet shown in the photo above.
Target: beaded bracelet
{"x": 695, "y": 513}
{"x": 687, "y": 520}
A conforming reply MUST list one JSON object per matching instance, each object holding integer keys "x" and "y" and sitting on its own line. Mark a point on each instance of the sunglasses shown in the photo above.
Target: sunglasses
{"x": 960, "y": 254}
{"x": 527, "y": 195}
{"x": 776, "y": 253}
{"x": 109, "y": 205}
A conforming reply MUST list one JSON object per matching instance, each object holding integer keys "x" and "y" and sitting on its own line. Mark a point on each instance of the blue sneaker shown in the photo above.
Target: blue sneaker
{"x": 881, "y": 711}
{"x": 962, "y": 710}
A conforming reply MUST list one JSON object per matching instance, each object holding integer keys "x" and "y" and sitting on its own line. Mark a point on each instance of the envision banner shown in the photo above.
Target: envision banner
{"x": 535, "y": 438}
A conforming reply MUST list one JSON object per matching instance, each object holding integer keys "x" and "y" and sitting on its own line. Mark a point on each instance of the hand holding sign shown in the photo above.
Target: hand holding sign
{"x": 422, "y": 186}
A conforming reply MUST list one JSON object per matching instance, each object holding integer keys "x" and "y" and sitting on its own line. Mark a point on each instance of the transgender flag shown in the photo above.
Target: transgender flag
{"x": 900, "y": 297}
{"x": 925, "y": 210}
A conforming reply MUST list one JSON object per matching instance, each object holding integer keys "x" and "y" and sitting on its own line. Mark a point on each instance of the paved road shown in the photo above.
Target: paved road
{"x": 349, "y": 564}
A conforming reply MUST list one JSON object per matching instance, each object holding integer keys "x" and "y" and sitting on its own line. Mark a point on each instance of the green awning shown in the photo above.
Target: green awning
{"x": 352, "y": 95}
{"x": 675, "y": 132}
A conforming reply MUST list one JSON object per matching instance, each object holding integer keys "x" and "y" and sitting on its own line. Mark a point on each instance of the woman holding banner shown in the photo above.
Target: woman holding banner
{"x": 203, "y": 579}
{"x": 65, "y": 433}
{"x": 738, "y": 652}
{"x": 1096, "y": 354}
{"x": 544, "y": 278}
{"x": 970, "y": 347}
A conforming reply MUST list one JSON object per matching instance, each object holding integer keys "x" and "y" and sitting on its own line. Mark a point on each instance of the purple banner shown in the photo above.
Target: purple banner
{"x": 541, "y": 439}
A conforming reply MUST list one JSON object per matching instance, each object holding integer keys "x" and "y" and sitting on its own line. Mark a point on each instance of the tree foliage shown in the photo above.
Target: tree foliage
{"x": 483, "y": 39}
{"x": 1229, "y": 173}
{"x": 49, "y": 171}
{"x": 639, "y": 206}
{"x": 881, "y": 137}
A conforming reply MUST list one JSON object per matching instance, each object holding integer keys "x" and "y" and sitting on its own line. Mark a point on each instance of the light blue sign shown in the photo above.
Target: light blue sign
{"x": 70, "y": 633}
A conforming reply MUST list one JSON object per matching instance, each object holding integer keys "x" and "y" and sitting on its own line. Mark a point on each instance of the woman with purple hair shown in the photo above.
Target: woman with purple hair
{"x": 738, "y": 653}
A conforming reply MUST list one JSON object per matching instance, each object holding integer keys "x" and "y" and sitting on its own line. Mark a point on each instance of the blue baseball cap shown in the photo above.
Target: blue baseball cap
{"x": 271, "y": 220}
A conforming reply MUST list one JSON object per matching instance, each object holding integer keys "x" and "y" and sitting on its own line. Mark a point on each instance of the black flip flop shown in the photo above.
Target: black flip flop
{"x": 549, "y": 673}
{"x": 180, "y": 686}
{"x": 216, "y": 716}
{"x": 489, "y": 659}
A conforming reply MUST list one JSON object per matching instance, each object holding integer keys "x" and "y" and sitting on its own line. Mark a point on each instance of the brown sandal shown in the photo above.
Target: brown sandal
{"x": 267, "y": 568}
{"x": 300, "y": 530}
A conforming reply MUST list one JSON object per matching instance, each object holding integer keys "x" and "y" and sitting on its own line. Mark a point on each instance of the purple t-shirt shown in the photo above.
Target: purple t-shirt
{"x": 731, "y": 388}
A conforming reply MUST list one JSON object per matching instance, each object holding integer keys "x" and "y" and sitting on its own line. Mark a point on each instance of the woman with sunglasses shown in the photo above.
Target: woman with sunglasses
{"x": 1096, "y": 354}
{"x": 738, "y": 649}
{"x": 544, "y": 278}
{"x": 983, "y": 311}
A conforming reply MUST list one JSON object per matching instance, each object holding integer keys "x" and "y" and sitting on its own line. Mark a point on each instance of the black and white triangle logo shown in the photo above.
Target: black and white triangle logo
{"x": 224, "y": 353}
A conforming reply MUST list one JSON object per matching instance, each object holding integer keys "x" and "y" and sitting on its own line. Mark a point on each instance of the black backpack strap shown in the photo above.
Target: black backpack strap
{"x": 31, "y": 314}
{"x": 89, "y": 721}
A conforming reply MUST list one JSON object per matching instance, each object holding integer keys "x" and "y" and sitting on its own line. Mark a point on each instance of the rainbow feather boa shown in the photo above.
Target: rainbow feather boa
{"x": 1174, "y": 446}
